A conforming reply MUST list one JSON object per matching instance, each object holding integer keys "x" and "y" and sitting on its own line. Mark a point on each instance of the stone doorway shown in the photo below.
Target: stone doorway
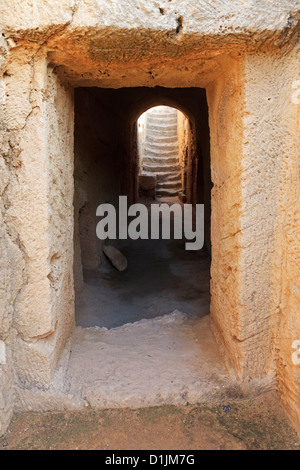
{"x": 105, "y": 125}
{"x": 146, "y": 316}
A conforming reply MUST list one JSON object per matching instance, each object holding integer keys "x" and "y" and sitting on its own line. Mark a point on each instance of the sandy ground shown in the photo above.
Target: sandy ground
{"x": 249, "y": 424}
{"x": 172, "y": 359}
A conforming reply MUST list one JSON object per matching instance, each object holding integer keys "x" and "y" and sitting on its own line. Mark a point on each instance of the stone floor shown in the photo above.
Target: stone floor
{"x": 168, "y": 359}
{"x": 143, "y": 336}
{"x": 161, "y": 276}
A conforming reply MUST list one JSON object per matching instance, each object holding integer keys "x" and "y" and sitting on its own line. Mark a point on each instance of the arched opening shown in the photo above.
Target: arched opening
{"x": 161, "y": 160}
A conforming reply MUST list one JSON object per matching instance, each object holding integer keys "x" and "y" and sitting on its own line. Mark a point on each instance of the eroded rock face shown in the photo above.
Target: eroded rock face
{"x": 91, "y": 42}
{"x": 247, "y": 59}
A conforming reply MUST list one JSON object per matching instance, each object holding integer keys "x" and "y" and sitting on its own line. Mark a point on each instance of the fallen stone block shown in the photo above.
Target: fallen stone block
{"x": 116, "y": 258}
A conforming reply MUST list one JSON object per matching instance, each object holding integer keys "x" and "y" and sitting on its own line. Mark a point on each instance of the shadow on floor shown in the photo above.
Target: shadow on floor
{"x": 161, "y": 276}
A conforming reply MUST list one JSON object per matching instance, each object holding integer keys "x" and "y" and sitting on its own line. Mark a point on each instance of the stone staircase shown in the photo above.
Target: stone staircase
{"x": 161, "y": 150}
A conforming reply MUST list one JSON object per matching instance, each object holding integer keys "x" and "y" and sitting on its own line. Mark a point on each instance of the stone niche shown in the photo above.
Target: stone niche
{"x": 234, "y": 72}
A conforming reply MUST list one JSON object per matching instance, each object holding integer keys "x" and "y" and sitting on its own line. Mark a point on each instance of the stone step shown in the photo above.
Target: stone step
{"x": 168, "y": 184}
{"x": 155, "y": 142}
{"x": 165, "y": 111}
{"x": 154, "y": 168}
{"x": 161, "y": 148}
{"x": 165, "y": 120}
{"x": 166, "y": 192}
{"x": 162, "y": 109}
{"x": 162, "y": 153}
{"x": 159, "y": 126}
{"x": 160, "y": 136}
{"x": 163, "y": 114}
{"x": 168, "y": 175}
{"x": 164, "y": 161}
{"x": 157, "y": 120}
{"x": 174, "y": 189}
{"x": 162, "y": 139}
{"x": 161, "y": 129}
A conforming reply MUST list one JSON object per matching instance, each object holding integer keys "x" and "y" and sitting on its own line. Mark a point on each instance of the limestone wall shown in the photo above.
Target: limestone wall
{"x": 255, "y": 217}
{"x": 97, "y": 172}
{"x": 147, "y": 35}
{"x": 182, "y": 131}
{"x": 286, "y": 260}
{"x": 37, "y": 215}
{"x": 226, "y": 104}
{"x": 42, "y": 210}
{"x": 12, "y": 262}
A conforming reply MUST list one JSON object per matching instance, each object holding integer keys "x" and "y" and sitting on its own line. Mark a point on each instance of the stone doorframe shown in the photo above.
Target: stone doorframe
{"x": 254, "y": 132}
